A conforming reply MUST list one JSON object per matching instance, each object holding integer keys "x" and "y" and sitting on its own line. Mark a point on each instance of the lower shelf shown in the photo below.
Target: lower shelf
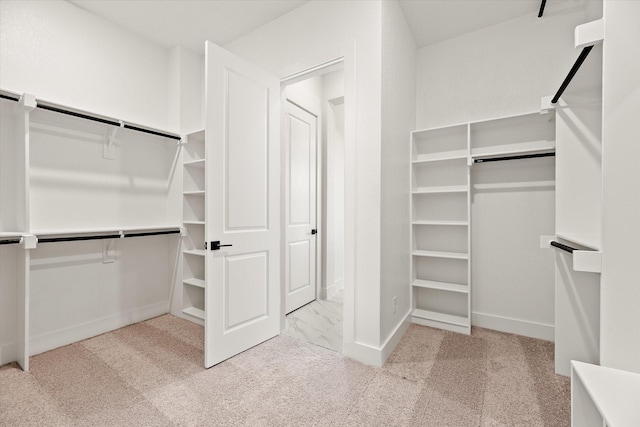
{"x": 195, "y": 282}
{"x": 440, "y": 320}
{"x": 442, "y": 286}
{"x": 195, "y": 312}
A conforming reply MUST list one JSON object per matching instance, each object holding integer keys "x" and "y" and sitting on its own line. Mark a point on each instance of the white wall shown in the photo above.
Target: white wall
{"x": 620, "y": 281}
{"x": 398, "y": 117}
{"x": 63, "y": 54}
{"x": 313, "y": 34}
{"x": 499, "y": 70}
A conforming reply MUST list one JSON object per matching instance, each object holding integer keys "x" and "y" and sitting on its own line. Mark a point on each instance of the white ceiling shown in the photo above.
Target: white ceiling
{"x": 188, "y": 23}
{"x": 432, "y": 21}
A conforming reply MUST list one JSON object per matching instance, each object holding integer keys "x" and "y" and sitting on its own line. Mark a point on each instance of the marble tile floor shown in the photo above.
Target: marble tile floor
{"x": 319, "y": 323}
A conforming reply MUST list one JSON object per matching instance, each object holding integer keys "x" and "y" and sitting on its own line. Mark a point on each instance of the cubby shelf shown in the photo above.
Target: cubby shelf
{"x": 195, "y": 282}
{"x": 195, "y": 163}
{"x": 195, "y": 312}
{"x": 440, "y": 227}
{"x": 438, "y": 254}
{"x": 438, "y": 157}
{"x": 442, "y": 286}
{"x": 441, "y": 317}
{"x": 194, "y": 221}
{"x": 447, "y": 223}
{"x": 514, "y": 149}
{"x": 441, "y": 189}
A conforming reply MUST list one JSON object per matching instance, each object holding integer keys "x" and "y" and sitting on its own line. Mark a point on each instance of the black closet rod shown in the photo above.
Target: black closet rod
{"x": 9, "y": 241}
{"x": 105, "y": 236}
{"x": 9, "y": 97}
{"x": 542, "y": 8}
{"x": 572, "y": 72}
{"x": 563, "y": 247}
{"x": 523, "y": 156}
{"x": 97, "y": 119}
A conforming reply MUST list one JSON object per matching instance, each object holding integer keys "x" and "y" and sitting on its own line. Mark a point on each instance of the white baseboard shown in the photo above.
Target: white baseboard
{"x": 331, "y": 290}
{"x": 370, "y": 355}
{"x": 8, "y": 353}
{"x": 513, "y": 326}
{"x": 75, "y": 333}
{"x": 394, "y": 338}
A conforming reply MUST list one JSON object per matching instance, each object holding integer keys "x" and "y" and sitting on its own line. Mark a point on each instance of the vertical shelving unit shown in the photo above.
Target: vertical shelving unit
{"x": 193, "y": 214}
{"x": 440, "y": 244}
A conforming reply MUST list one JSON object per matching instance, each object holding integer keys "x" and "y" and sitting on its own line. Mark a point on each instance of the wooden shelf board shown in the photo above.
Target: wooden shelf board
{"x": 441, "y": 189}
{"x": 438, "y": 157}
{"x": 195, "y": 312}
{"x": 195, "y": 163}
{"x": 440, "y": 317}
{"x": 438, "y": 254}
{"x": 442, "y": 286}
{"x": 514, "y": 149}
{"x": 198, "y": 252}
{"x": 193, "y": 192}
{"x": 195, "y": 282}
{"x": 443, "y": 222}
{"x": 613, "y": 391}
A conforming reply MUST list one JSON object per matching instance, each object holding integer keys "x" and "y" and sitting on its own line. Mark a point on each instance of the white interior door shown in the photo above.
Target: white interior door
{"x": 300, "y": 217}
{"x": 242, "y": 294}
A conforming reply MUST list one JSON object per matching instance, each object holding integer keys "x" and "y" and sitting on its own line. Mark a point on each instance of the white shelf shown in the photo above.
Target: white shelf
{"x": 438, "y": 157}
{"x": 10, "y": 234}
{"x": 436, "y": 222}
{"x": 442, "y": 189}
{"x": 193, "y": 222}
{"x": 104, "y": 230}
{"x": 198, "y": 252}
{"x": 195, "y": 312}
{"x": 437, "y": 254}
{"x": 195, "y": 163}
{"x": 441, "y": 317}
{"x": 195, "y": 282}
{"x": 591, "y": 241}
{"x": 614, "y": 393}
{"x": 442, "y": 286}
{"x": 514, "y": 149}
{"x": 192, "y": 193}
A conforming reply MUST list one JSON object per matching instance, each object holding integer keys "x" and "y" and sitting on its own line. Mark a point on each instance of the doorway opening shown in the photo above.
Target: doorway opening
{"x": 313, "y": 206}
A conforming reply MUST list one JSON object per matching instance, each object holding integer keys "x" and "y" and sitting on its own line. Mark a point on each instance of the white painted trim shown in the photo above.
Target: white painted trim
{"x": 514, "y": 326}
{"x": 370, "y": 355}
{"x": 363, "y": 353}
{"x": 8, "y": 353}
{"x": 61, "y": 337}
{"x": 332, "y": 289}
{"x": 394, "y": 338}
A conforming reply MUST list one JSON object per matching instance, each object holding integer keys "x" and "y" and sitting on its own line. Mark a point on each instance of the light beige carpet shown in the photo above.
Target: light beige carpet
{"x": 151, "y": 374}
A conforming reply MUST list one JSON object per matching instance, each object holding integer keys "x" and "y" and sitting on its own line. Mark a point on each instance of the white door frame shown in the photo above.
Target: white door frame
{"x": 324, "y": 68}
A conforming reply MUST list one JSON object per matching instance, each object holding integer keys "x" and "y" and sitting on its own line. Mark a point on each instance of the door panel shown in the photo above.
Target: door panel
{"x": 242, "y": 294}
{"x": 300, "y": 188}
{"x": 246, "y": 145}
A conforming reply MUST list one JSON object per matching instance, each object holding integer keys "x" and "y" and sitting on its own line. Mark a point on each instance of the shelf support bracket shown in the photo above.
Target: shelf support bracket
{"x": 109, "y": 151}
{"x": 28, "y": 101}
{"x": 29, "y": 241}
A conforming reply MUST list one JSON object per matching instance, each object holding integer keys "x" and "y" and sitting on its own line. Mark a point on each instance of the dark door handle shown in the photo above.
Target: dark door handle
{"x": 215, "y": 245}
{"x": 314, "y": 231}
